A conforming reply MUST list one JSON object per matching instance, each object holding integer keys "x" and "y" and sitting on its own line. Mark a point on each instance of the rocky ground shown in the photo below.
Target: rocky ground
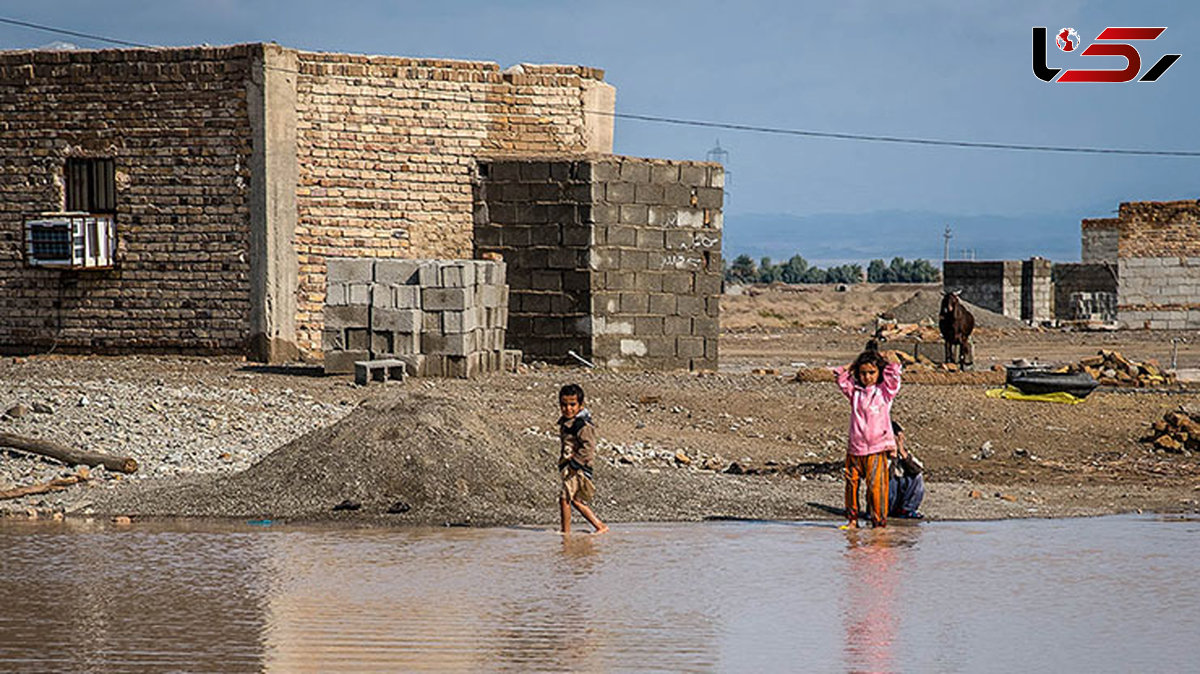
{"x": 222, "y": 438}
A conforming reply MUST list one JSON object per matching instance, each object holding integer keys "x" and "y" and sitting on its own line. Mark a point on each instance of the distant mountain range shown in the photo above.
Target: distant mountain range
{"x": 842, "y": 238}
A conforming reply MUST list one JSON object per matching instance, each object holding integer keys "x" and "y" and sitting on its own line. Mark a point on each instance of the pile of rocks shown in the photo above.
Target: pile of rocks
{"x": 1110, "y": 368}
{"x": 1177, "y": 432}
{"x": 443, "y": 318}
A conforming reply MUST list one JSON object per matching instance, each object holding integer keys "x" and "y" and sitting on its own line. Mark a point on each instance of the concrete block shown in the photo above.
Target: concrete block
{"x": 712, "y": 306}
{"x": 545, "y": 235}
{"x": 706, "y": 326}
{"x": 689, "y": 347}
{"x": 358, "y": 339}
{"x": 493, "y": 296}
{"x": 709, "y": 197}
{"x": 349, "y": 269}
{"x": 710, "y": 349}
{"x": 397, "y": 320}
{"x": 446, "y": 299}
{"x": 664, "y": 174}
{"x": 716, "y": 176}
{"x": 605, "y": 171}
{"x": 689, "y": 305}
{"x": 510, "y": 360}
{"x": 449, "y": 345}
{"x": 649, "y": 238}
{"x": 659, "y": 347}
{"x": 381, "y": 342}
{"x": 434, "y": 365}
{"x": 566, "y": 258}
{"x": 621, "y": 236}
{"x": 549, "y": 326}
{"x": 396, "y": 272}
{"x": 337, "y": 294}
{"x": 662, "y": 305}
{"x": 677, "y": 195}
{"x": 332, "y": 340}
{"x": 346, "y": 316}
{"x": 634, "y": 171}
{"x": 504, "y": 171}
{"x": 429, "y": 274}
{"x": 406, "y": 343}
{"x": 676, "y": 239}
{"x": 431, "y": 322}
{"x": 677, "y": 283}
{"x": 535, "y": 303}
{"x": 454, "y": 322}
{"x": 637, "y": 215}
{"x": 693, "y": 175}
{"x": 605, "y": 303}
{"x": 463, "y": 367}
{"x": 576, "y": 235}
{"x": 648, "y": 194}
{"x": 708, "y": 285}
{"x": 406, "y": 297}
{"x": 633, "y": 347}
{"x": 635, "y": 303}
{"x": 619, "y": 280}
{"x": 634, "y": 260}
{"x": 342, "y": 362}
{"x": 359, "y": 293}
{"x": 677, "y": 325}
{"x": 648, "y": 326}
{"x": 452, "y": 276}
{"x": 619, "y": 193}
{"x": 604, "y": 214}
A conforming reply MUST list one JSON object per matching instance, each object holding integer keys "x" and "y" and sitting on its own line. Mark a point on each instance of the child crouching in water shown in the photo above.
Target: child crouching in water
{"x": 870, "y": 383}
{"x": 577, "y": 434}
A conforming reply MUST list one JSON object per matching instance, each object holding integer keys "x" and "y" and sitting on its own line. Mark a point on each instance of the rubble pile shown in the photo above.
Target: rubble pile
{"x": 1177, "y": 432}
{"x": 1110, "y": 368}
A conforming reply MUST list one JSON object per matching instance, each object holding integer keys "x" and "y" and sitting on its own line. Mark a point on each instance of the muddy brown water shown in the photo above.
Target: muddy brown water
{"x": 1103, "y": 594}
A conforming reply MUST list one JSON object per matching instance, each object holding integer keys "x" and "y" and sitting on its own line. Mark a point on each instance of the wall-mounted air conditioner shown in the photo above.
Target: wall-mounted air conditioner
{"x": 70, "y": 241}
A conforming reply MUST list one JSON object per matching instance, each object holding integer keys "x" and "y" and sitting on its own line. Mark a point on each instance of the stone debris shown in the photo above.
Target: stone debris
{"x": 1178, "y": 432}
{"x": 1111, "y": 368}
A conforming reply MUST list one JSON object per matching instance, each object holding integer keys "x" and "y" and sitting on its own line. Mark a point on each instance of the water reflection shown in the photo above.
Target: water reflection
{"x": 873, "y": 570}
{"x": 731, "y": 596}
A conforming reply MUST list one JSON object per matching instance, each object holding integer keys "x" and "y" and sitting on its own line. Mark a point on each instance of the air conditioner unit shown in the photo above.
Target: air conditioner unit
{"x": 70, "y": 241}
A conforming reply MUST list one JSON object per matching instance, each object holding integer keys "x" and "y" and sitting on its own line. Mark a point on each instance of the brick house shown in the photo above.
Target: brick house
{"x": 230, "y": 174}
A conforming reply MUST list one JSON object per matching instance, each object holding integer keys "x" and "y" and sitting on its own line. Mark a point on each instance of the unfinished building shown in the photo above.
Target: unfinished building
{"x": 208, "y": 186}
{"x": 1155, "y": 249}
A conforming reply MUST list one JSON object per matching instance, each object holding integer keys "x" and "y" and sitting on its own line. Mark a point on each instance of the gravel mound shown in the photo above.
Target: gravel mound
{"x": 925, "y": 305}
{"x": 436, "y": 455}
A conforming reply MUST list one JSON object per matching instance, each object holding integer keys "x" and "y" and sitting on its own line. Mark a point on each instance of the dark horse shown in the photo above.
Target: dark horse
{"x": 956, "y": 324}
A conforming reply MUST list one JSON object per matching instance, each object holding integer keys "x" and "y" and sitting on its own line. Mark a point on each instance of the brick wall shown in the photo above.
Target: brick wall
{"x": 388, "y": 147}
{"x": 617, "y": 259}
{"x": 174, "y": 121}
{"x": 1158, "y": 264}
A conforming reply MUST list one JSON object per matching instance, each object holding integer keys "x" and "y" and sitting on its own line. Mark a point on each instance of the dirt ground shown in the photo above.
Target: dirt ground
{"x": 668, "y": 439}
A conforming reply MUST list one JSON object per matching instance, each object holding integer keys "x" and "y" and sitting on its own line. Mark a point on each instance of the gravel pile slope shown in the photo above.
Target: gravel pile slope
{"x": 925, "y": 306}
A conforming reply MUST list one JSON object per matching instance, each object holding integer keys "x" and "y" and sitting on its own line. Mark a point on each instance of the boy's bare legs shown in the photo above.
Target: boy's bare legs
{"x": 564, "y": 508}
{"x": 590, "y": 516}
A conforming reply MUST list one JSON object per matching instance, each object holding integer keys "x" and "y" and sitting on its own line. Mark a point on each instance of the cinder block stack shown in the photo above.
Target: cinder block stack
{"x": 445, "y": 318}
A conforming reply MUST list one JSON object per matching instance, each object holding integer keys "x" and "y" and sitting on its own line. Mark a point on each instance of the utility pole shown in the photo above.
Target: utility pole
{"x": 946, "y": 244}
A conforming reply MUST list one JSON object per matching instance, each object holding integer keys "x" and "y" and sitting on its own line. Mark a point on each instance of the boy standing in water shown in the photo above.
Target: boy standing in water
{"x": 577, "y": 434}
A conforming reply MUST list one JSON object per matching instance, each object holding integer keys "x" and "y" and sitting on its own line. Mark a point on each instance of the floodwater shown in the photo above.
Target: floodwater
{"x": 1105, "y": 594}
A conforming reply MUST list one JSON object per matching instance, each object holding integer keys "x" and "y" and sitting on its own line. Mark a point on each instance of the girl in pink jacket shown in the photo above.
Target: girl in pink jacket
{"x": 870, "y": 383}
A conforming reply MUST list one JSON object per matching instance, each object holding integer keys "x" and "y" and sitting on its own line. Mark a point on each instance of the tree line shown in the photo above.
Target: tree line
{"x": 797, "y": 270}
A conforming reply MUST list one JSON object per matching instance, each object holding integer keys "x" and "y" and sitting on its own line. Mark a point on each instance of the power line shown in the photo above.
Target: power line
{"x": 63, "y": 31}
{"x": 900, "y": 139}
{"x": 835, "y": 135}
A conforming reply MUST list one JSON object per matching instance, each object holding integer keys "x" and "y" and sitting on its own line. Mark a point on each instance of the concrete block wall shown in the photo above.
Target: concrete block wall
{"x": 1018, "y": 289}
{"x": 617, "y": 258}
{"x": 1100, "y": 239}
{"x": 1037, "y": 293}
{"x": 445, "y": 318}
{"x": 1085, "y": 291}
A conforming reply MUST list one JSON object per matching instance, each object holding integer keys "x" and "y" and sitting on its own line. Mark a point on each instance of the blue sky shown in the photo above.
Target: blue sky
{"x": 941, "y": 69}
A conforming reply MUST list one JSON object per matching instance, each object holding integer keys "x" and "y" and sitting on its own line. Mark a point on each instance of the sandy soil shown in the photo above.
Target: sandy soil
{"x": 667, "y": 438}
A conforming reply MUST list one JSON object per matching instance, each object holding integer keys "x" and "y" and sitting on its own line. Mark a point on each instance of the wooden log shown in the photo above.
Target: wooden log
{"x": 68, "y": 455}
{"x": 57, "y": 484}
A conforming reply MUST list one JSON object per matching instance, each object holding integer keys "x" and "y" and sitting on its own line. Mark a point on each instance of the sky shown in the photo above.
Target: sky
{"x": 930, "y": 69}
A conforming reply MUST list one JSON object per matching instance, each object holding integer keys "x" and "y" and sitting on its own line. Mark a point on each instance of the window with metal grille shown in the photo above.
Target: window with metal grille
{"x": 91, "y": 186}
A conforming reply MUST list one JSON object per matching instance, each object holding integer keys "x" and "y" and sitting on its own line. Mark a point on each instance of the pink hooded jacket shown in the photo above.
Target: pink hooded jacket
{"x": 870, "y": 410}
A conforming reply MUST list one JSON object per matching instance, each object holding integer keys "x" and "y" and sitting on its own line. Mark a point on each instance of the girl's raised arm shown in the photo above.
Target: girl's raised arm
{"x": 845, "y": 379}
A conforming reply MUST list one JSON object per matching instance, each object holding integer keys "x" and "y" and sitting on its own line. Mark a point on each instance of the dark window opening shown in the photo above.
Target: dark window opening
{"x": 91, "y": 186}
